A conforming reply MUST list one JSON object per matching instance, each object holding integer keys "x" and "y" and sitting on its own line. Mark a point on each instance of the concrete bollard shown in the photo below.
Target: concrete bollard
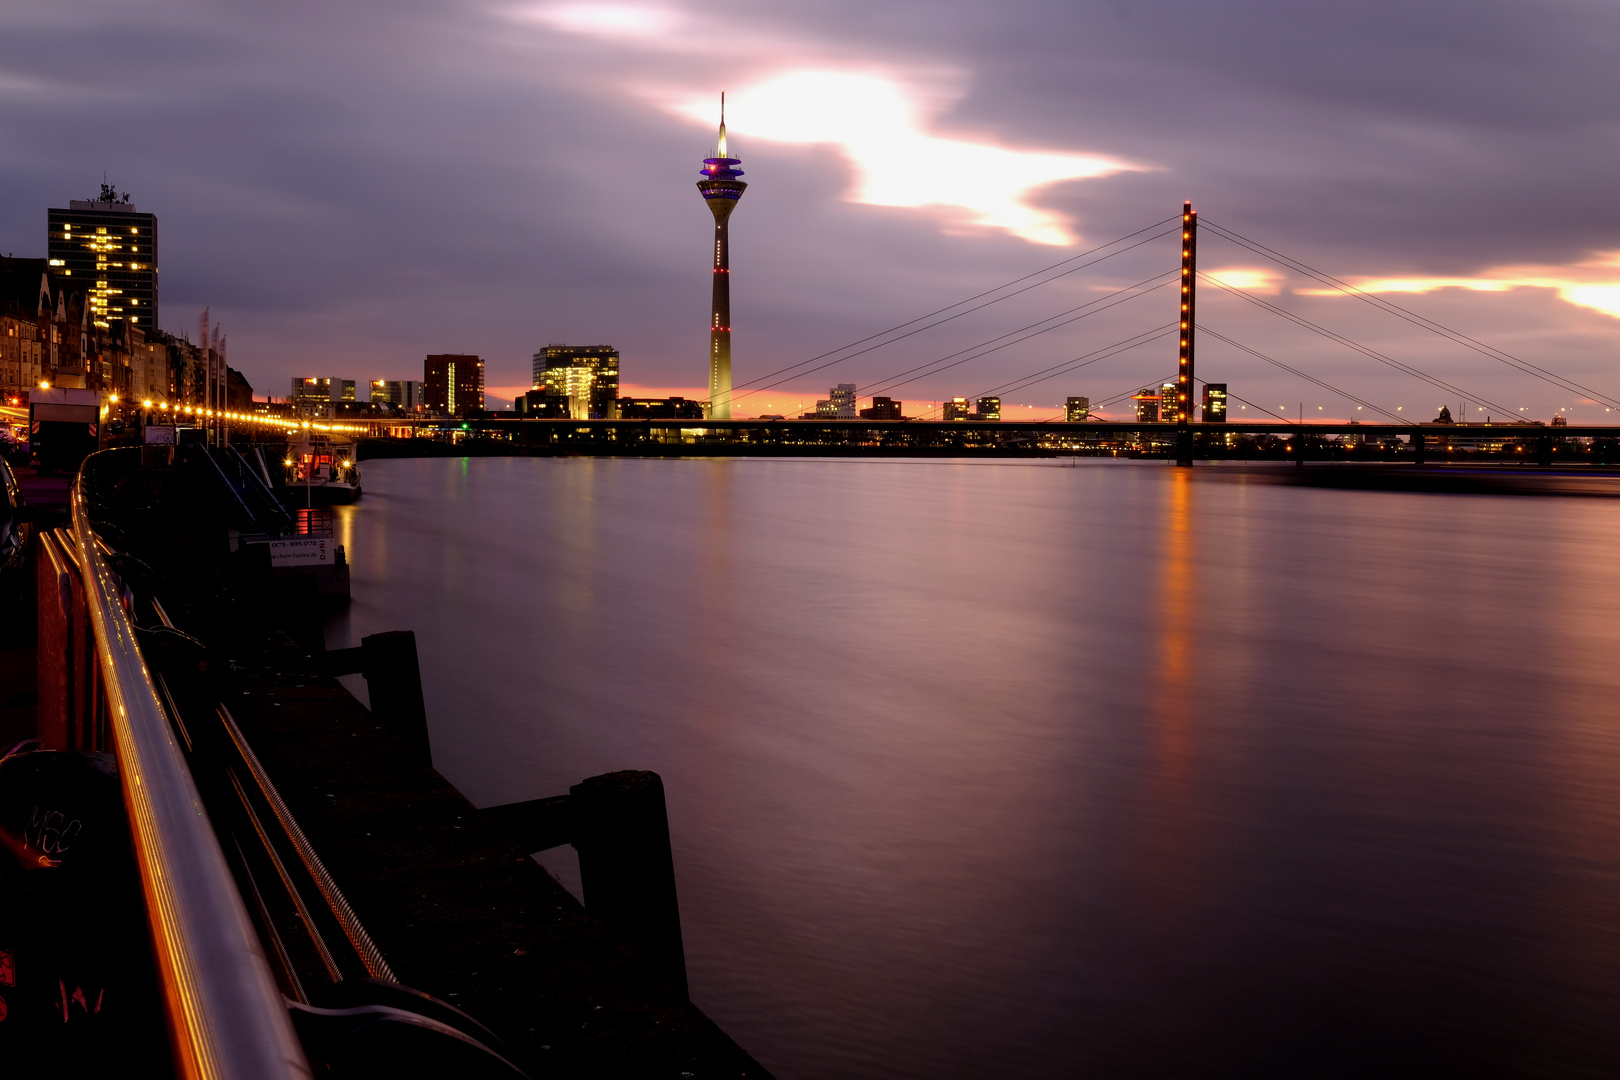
{"x": 621, "y": 831}
{"x": 393, "y": 680}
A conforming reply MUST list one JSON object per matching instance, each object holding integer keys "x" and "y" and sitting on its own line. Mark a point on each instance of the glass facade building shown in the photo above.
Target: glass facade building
{"x": 587, "y": 375}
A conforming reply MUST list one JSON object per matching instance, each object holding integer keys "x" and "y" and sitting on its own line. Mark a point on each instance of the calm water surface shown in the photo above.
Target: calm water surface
{"x": 1025, "y": 770}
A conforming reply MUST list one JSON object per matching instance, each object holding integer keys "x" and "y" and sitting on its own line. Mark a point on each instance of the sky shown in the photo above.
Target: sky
{"x": 349, "y": 186}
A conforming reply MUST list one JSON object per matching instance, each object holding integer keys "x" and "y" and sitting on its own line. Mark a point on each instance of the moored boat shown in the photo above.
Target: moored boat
{"x": 322, "y": 471}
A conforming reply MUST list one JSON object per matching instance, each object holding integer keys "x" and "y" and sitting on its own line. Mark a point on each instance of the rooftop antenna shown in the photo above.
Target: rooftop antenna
{"x": 722, "y": 147}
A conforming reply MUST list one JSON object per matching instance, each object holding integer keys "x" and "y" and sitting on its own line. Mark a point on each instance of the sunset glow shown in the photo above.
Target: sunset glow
{"x": 883, "y": 122}
{"x": 881, "y": 126}
{"x": 1249, "y": 279}
{"x": 1593, "y": 283}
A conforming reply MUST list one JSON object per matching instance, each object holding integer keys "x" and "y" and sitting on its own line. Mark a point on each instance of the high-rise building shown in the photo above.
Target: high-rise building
{"x": 987, "y": 408}
{"x": 1215, "y": 403}
{"x": 113, "y": 248}
{"x": 587, "y": 375}
{"x": 955, "y": 408}
{"x": 1147, "y": 405}
{"x": 453, "y": 384}
{"x": 1076, "y": 409}
{"x": 1167, "y": 403}
{"x": 721, "y": 189}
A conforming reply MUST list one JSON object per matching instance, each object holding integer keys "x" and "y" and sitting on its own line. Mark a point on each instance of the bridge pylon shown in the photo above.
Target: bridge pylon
{"x": 1184, "y": 372}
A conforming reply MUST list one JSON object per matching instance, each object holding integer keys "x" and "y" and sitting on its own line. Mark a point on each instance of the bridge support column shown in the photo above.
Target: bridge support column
{"x": 1184, "y": 374}
{"x": 1417, "y": 448}
{"x": 1544, "y": 450}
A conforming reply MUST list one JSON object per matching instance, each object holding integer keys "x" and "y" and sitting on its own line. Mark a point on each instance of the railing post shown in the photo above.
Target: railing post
{"x": 626, "y": 868}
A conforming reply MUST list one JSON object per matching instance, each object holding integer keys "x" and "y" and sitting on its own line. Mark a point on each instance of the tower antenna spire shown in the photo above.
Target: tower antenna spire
{"x": 721, "y": 186}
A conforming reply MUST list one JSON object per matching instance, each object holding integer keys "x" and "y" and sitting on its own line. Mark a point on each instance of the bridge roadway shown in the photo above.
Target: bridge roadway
{"x": 533, "y": 427}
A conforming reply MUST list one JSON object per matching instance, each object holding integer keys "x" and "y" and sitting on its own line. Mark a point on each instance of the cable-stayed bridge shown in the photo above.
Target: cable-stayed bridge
{"x": 1251, "y": 425}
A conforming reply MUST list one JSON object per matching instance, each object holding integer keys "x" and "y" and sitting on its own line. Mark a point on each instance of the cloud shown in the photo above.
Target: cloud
{"x": 880, "y": 123}
{"x": 606, "y": 20}
{"x": 1592, "y": 283}
{"x": 882, "y": 120}
{"x": 1249, "y": 279}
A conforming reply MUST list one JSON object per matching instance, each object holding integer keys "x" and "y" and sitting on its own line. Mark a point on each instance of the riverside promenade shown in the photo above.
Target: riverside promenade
{"x": 372, "y": 885}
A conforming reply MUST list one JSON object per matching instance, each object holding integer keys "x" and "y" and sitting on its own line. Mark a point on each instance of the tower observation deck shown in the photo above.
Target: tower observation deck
{"x": 721, "y": 189}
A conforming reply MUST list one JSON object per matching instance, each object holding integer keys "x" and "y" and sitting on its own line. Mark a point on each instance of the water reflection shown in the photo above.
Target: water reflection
{"x": 1011, "y": 770}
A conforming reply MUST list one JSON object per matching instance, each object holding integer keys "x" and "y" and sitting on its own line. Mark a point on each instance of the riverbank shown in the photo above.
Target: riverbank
{"x": 360, "y": 866}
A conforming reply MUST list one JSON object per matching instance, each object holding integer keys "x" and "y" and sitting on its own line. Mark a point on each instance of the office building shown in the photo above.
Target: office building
{"x": 1076, "y": 409}
{"x": 883, "y": 409}
{"x": 987, "y": 408}
{"x": 539, "y": 405}
{"x": 674, "y": 408}
{"x": 721, "y": 189}
{"x": 453, "y": 384}
{"x": 316, "y": 395}
{"x": 1215, "y": 403}
{"x": 404, "y": 394}
{"x": 587, "y": 375}
{"x": 1147, "y": 405}
{"x": 955, "y": 408}
{"x": 1167, "y": 403}
{"x": 112, "y": 249}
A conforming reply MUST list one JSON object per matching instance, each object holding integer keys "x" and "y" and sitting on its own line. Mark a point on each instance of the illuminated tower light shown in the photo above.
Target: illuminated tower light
{"x": 721, "y": 189}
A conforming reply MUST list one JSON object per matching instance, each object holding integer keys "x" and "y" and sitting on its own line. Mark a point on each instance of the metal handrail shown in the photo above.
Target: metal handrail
{"x": 227, "y": 1019}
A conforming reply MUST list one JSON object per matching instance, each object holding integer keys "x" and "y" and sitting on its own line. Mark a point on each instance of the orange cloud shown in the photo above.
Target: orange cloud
{"x": 1593, "y": 283}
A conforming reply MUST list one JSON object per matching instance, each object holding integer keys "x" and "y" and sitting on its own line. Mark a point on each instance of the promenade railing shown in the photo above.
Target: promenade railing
{"x": 227, "y": 1018}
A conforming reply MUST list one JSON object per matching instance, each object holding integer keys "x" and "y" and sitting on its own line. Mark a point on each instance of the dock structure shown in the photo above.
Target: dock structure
{"x": 336, "y": 903}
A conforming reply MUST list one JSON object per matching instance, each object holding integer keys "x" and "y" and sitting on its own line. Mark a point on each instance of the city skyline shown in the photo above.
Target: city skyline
{"x": 1456, "y": 163}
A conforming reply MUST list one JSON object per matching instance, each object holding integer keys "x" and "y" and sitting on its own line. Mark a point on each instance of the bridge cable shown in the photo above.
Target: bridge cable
{"x": 959, "y": 314}
{"x": 1422, "y": 321}
{"x": 1075, "y": 364}
{"x": 1112, "y": 300}
{"x": 1204, "y": 328}
{"x": 1356, "y": 346}
{"x": 1085, "y": 359}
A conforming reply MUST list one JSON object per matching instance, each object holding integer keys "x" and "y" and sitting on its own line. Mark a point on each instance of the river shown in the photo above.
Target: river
{"x": 1043, "y": 769}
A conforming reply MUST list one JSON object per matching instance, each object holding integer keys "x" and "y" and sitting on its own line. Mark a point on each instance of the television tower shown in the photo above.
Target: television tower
{"x": 721, "y": 189}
